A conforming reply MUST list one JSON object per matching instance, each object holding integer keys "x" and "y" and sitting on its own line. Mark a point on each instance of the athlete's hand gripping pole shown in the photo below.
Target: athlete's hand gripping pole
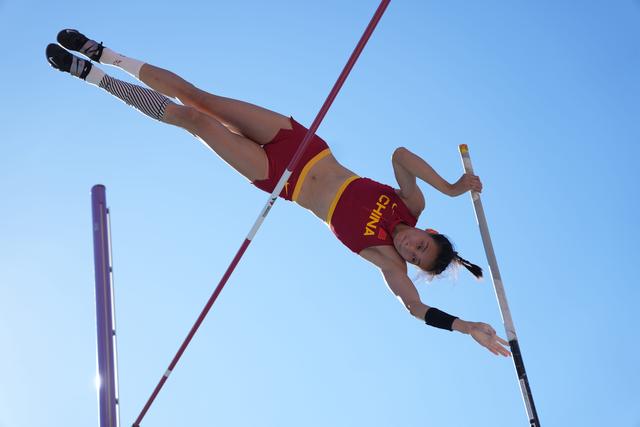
{"x": 501, "y": 295}
{"x": 270, "y": 202}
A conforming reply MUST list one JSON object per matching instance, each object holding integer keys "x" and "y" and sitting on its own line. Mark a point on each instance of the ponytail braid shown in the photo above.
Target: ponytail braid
{"x": 474, "y": 269}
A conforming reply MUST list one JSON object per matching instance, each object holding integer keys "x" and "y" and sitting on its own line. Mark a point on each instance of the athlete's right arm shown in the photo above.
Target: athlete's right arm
{"x": 406, "y": 292}
{"x": 402, "y": 287}
{"x": 394, "y": 272}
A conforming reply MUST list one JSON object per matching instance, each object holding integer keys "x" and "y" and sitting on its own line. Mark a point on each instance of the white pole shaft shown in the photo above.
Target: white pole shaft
{"x": 498, "y": 287}
{"x": 488, "y": 248}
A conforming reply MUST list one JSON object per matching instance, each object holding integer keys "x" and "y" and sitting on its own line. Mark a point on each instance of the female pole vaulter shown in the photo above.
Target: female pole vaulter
{"x": 373, "y": 220}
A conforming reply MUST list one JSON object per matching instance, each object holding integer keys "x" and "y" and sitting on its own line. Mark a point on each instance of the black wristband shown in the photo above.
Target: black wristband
{"x": 439, "y": 319}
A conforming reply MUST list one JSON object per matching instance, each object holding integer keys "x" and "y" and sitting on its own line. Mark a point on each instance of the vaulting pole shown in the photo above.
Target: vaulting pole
{"x": 107, "y": 379}
{"x": 271, "y": 201}
{"x": 501, "y": 296}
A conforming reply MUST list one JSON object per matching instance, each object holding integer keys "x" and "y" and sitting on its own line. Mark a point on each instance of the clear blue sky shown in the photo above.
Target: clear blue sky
{"x": 306, "y": 334}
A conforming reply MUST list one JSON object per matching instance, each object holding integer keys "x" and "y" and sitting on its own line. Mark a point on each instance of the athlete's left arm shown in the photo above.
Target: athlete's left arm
{"x": 408, "y": 166}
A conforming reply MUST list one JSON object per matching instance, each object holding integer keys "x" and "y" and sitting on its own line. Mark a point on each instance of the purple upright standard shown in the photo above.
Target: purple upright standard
{"x": 107, "y": 382}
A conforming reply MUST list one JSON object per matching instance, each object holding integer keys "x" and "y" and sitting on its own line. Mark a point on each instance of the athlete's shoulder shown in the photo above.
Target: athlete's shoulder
{"x": 385, "y": 257}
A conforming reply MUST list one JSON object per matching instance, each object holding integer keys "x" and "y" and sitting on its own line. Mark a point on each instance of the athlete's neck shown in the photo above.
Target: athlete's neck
{"x": 399, "y": 227}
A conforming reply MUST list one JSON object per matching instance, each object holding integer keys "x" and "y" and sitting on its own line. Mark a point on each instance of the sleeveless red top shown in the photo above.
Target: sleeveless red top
{"x": 364, "y": 213}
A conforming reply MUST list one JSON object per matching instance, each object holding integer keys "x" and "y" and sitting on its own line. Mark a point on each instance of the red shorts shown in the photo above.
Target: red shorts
{"x": 281, "y": 150}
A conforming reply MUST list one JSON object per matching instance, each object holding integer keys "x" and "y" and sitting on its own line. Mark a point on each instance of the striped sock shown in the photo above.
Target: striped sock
{"x": 147, "y": 101}
{"x": 130, "y": 65}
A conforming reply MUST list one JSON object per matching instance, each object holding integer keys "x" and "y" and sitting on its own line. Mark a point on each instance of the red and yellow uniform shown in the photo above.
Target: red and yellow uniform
{"x": 281, "y": 150}
{"x": 364, "y": 213}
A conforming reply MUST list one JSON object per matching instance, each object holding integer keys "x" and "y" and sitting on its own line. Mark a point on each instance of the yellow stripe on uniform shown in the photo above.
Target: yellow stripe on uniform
{"x": 334, "y": 203}
{"x": 321, "y": 155}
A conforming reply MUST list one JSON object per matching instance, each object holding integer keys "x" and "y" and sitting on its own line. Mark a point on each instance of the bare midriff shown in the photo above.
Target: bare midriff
{"x": 321, "y": 184}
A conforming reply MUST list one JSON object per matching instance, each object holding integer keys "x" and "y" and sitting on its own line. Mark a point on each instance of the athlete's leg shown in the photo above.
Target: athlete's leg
{"x": 256, "y": 123}
{"x": 241, "y": 153}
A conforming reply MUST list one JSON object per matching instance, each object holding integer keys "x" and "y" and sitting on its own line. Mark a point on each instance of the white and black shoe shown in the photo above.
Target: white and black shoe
{"x": 76, "y": 41}
{"x": 62, "y": 60}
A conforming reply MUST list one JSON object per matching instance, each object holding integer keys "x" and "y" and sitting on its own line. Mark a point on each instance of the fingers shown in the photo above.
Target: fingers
{"x": 505, "y": 352}
{"x": 501, "y": 350}
{"x": 498, "y": 349}
{"x": 472, "y": 182}
{"x": 495, "y": 345}
{"x": 476, "y": 185}
{"x": 486, "y": 336}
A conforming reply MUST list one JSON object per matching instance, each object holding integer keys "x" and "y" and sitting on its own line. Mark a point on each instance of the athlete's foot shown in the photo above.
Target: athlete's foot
{"x": 75, "y": 40}
{"x": 62, "y": 60}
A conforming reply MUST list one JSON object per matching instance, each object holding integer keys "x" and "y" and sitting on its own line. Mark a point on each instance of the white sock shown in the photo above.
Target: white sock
{"x": 130, "y": 65}
{"x": 95, "y": 75}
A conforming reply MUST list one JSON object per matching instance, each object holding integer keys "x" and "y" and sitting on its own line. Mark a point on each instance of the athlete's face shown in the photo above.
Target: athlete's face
{"x": 416, "y": 247}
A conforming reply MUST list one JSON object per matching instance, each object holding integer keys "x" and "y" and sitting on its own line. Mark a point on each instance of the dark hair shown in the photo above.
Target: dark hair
{"x": 447, "y": 254}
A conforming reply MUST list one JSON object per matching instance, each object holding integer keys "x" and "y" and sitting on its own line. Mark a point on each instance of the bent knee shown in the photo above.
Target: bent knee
{"x": 193, "y": 96}
{"x": 185, "y": 116}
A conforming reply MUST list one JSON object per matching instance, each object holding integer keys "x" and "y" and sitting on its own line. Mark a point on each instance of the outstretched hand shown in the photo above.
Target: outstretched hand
{"x": 486, "y": 336}
{"x": 466, "y": 182}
